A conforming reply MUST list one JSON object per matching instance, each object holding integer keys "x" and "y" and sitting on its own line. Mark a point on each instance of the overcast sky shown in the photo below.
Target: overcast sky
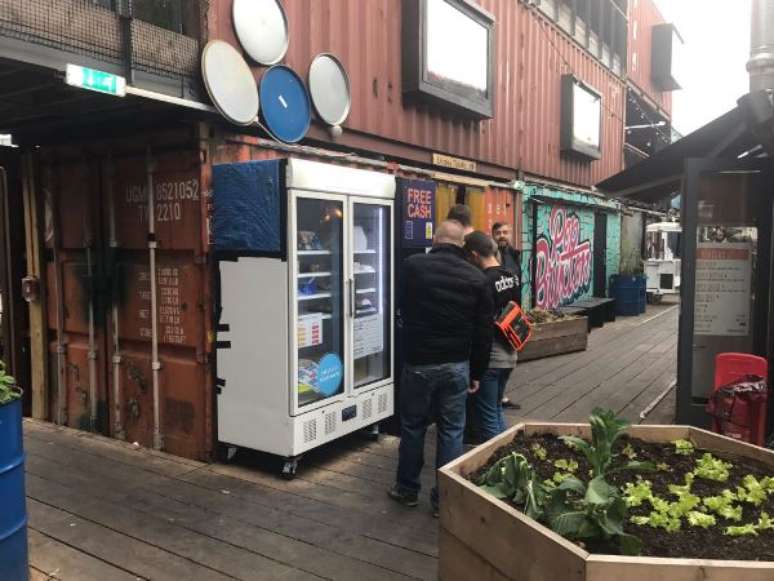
{"x": 717, "y": 47}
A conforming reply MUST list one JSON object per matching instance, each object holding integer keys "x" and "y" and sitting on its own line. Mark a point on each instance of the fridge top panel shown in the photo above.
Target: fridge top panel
{"x": 323, "y": 177}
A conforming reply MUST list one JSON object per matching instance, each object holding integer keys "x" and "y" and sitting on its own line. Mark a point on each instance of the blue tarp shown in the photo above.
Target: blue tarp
{"x": 247, "y": 207}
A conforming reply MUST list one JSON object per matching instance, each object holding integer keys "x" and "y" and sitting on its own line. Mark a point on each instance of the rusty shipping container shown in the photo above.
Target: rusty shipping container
{"x": 99, "y": 284}
{"x": 531, "y": 56}
{"x": 643, "y": 16}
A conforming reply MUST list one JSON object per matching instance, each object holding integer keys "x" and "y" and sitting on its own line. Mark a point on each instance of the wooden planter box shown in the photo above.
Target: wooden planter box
{"x": 486, "y": 539}
{"x": 557, "y": 338}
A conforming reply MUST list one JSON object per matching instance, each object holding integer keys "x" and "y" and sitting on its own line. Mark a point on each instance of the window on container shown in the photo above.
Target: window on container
{"x": 166, "y": 14}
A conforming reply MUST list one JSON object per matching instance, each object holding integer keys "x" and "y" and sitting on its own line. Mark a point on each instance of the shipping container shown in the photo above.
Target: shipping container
{"x": 643, "y": 16}
{"x": 100, "y": 299}
{"x": 532, "y": 54}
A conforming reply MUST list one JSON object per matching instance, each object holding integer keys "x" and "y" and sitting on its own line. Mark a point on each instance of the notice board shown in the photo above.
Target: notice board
{"x": 723, "y": 289}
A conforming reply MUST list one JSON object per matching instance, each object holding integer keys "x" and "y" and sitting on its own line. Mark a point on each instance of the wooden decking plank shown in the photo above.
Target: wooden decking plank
{"x": 588, "y": 365}
{"x": 213, "y": 524}
{"x": 547, "y": 402}
{"x": 361, "y": 548}
{"x": 207, "y": 552}
{"x": 60, "y": 561}
{"x": 143, "y": 459}
{"x": 143, "y": 559}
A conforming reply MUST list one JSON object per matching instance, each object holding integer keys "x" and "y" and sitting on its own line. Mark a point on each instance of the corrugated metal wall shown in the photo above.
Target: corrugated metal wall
{"x": 99, "y": 283}
{"x": 643, "y": 16}
{"x": 366, "y": 36}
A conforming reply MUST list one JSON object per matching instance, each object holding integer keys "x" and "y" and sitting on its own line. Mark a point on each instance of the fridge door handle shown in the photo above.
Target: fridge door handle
{"x": 351, "y": 282}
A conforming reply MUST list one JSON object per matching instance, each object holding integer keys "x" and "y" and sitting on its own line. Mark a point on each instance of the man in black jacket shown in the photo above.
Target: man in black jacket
{"x": 447, "y": 313}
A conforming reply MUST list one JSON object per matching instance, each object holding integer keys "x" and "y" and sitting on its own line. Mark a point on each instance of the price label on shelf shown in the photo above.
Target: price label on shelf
{"x": 310, "y": 331}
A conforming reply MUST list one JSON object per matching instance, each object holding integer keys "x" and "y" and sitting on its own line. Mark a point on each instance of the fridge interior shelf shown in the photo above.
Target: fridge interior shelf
{"x": 365, "y": 251}
{"x": 314, "y": 296}
{"x": 314, "y": 252}
{"x": 313, "y": 274}
{"x": 323, "y": 316}
{"x": 368, "y": 270}
{"x": 363, "y": 291}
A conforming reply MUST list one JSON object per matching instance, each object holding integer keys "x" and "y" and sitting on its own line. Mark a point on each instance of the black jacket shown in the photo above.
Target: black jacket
{"x": 447, "y": 311}
{"x": 511, "y": 259}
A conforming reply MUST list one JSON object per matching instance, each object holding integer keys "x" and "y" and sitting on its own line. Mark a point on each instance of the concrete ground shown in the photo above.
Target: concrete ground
{"x": 105, "y": 510}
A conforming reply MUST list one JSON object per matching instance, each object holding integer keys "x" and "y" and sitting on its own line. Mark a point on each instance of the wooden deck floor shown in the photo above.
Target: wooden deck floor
{"x": 105, "y": 510}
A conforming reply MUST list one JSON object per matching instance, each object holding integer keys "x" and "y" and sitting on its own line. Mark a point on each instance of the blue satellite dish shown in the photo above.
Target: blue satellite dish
{"x": 285, "y": 105}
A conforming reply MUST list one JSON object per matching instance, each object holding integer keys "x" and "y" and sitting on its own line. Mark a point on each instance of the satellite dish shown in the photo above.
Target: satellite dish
{"x": 230, "y": 83}
{"x": 329, "y": 89}
{"x": 262, "y": 29}
{"x": 286, "y": 109}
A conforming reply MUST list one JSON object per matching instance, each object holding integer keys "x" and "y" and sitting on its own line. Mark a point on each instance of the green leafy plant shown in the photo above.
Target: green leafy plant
{"x": 635, "y": 494}
{"x": 8, "y": 390}
{"x": 723, "y": 505}
{"x": 514, "y": 478}
{"x": 739, "y": 531}
{"x": 684, "y": 447}
{"x": 539, "y": 452}
{"x": 570, "y": 466}
{"x": 701, "y": 520}
{"x": 629, "y": 452}
{"x": 711, "y": 468}
{"x": 595, "y": 511}
{"x": 606, "y": 429}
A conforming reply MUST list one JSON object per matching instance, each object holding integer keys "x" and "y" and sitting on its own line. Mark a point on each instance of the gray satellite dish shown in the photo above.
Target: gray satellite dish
{"x": 230, "y": 83}
{"x": 329, "y": 89}
{"x": 262, "y": 29}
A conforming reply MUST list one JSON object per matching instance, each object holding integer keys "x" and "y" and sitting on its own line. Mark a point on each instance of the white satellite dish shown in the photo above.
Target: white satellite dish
{"x": 329, "y": 89}
{"x": 230, "y": 83}
{"x": 262, "y": 29}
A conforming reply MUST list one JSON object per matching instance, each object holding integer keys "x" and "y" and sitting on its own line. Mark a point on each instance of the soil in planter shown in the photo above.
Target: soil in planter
{"x": 689, "y": 542}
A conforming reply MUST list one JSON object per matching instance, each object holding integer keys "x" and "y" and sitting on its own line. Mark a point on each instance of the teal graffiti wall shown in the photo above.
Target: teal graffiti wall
{"x": 564, "y": 249}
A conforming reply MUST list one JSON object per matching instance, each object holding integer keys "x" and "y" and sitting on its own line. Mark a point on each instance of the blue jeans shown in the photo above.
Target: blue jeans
{"x": 430, "y": 393}
{"x": 488, "y": 404}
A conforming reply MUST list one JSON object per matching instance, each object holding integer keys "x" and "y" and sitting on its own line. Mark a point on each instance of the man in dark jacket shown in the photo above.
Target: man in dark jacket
{"x": 447, "y": 313}
{"x": 510, "y": 258}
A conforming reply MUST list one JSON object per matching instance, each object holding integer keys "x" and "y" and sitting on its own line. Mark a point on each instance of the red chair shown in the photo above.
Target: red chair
{"x": 731, "y": 367}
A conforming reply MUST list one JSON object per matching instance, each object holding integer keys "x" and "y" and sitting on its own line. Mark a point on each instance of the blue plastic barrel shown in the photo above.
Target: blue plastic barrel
{"x": 13, "y": 508}
{"x": 627, "y": 292}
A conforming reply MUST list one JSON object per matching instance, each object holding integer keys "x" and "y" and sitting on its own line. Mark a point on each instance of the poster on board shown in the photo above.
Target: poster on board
{"x": 417, "y": 201}
{"x": 723, "y": 289}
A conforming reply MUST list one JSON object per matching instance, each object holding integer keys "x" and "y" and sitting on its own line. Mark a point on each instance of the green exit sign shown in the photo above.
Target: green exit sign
{"x": 94, "y": 80}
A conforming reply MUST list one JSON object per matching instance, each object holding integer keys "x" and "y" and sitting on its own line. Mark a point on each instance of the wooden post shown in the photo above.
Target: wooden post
{"x": 37, "y": 307}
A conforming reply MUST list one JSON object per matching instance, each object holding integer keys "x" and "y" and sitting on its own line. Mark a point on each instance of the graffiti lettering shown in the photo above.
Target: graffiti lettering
{"x": 563, "y": 267}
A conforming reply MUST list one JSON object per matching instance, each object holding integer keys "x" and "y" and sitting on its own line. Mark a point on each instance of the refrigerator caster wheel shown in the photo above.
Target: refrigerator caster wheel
{"x": 372, "y": 433}
{"x": 225, "y": 454}
{"x": 289, "y": 468}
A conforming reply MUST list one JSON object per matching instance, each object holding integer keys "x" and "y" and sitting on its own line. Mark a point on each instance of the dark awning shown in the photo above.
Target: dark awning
{"x": 657, "y": 177}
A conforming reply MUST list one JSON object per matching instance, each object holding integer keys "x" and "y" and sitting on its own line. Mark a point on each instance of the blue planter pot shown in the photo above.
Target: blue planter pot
{"x": 630, "y": 294}
{"x": 13, "y": 507}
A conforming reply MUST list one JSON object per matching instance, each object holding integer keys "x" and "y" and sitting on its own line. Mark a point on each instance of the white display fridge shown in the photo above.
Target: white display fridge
{"x": 305, "y": 302}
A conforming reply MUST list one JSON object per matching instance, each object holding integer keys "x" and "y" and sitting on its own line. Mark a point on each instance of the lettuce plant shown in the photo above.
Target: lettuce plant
{"x": 539, "y": 451}
{"x": 700, "y": 519}
{"x": 711, "y": 468}
{"x": 740, "y": 531}
{"x": 570, "y": 466}
{"x": 684, "y": 447}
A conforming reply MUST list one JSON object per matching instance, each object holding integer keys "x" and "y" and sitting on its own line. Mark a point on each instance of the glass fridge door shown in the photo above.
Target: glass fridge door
{"x": 371, "y": 243}
{"x": 318, "y": 275}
